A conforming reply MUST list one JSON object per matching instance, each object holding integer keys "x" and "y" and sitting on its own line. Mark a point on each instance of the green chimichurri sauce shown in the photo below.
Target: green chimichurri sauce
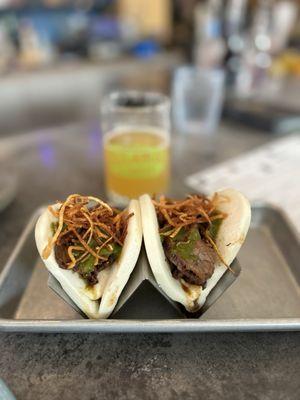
{"x": 184, "y": 243}
{"x": 87, "y": 265}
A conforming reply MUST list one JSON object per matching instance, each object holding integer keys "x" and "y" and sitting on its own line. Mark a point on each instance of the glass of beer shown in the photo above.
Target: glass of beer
{"x": 136, "y": 142}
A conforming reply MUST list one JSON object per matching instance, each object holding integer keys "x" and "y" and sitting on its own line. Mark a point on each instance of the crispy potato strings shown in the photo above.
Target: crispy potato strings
{"x": 93, "y": 225}
{"x": 195, "y": 209}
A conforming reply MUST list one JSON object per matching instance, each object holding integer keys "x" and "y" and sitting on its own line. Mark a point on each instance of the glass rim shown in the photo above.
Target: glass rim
{"x": 152, "y": 101}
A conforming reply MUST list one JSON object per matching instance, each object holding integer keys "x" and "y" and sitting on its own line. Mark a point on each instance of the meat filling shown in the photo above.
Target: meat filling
{"x": 188, "y": 229}
{"x": 87, "y": 236}
{"x": 87, "y": 268}
{"x": 191, "y": 258}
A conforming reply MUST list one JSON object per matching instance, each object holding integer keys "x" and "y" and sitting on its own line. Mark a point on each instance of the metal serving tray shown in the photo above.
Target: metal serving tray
{"x": 265, "y": 297}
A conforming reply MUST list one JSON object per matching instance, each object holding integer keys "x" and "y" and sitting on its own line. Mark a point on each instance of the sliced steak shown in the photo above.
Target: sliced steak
{"x": 61, "y": 250}
{"x": 197, "y": 268}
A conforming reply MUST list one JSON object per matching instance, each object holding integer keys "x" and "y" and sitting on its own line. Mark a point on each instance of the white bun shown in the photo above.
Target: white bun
{"x": 231, "y": 236}
{"x": 111, "y": 280}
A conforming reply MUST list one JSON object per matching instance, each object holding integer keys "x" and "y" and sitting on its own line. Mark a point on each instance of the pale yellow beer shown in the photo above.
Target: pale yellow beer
{"x": 137, "y": 161}
{"x": 136, "y": 144}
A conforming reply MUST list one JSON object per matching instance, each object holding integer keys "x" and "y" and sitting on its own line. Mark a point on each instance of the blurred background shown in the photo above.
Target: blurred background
{"x": 230, "y": 68}
{"x": 58, "y": 57}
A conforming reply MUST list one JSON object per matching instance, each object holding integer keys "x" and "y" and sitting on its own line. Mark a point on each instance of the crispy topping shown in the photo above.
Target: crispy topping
{"x": 195, "y": 209}
{"x": 91, "y": 224}
{"x": 173, "y": 215}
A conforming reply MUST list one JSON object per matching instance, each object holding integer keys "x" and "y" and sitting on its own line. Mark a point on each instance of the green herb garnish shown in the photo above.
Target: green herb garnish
{"x": 53, "y": 227}
{"x": 214, "y": 228}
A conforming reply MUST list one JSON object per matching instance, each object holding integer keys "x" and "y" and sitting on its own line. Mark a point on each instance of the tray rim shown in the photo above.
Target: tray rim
{"x": 150, "y": 326}
{"x": 131, "y": 326}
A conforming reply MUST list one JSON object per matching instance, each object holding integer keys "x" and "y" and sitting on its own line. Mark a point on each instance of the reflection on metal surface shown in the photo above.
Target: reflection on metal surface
{"x": 47, "y": 154}
{"x": 94, "y": 140}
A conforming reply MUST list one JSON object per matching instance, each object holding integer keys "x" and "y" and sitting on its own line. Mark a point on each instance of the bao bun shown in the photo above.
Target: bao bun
{"x": 230, "y": 237}
{"x": 111, "y": 280}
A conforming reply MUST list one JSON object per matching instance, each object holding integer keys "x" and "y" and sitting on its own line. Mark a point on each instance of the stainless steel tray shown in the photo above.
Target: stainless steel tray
{"x": 266, "y": 296}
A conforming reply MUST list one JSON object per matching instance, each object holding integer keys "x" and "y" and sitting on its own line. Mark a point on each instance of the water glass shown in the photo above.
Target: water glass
{"x": 197, "y": 98}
